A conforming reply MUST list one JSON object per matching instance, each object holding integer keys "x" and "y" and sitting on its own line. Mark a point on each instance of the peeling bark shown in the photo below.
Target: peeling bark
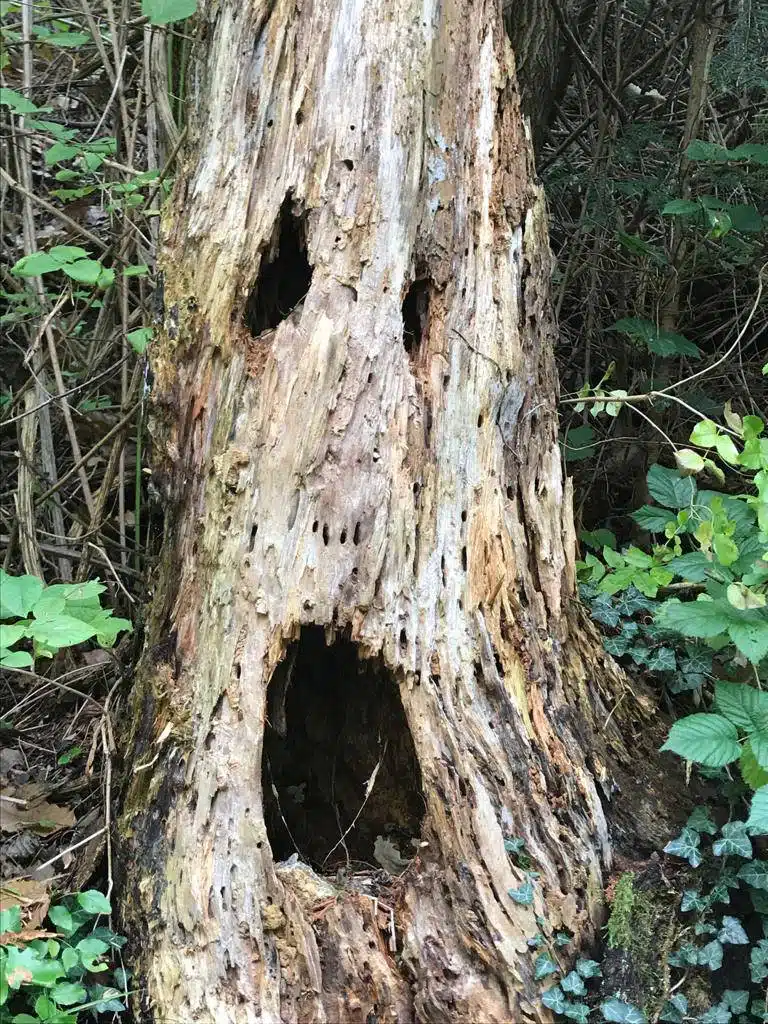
{"x": 354, "y": 423}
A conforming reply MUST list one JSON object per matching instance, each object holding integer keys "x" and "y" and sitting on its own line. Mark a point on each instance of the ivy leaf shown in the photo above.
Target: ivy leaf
{"x": 573, "y": 985}
{"x": 704, "y": 738}
{"x": 589, "y": 968}
{"x": 619, "y": 1012}
{"x": 579, "y": 1012}
{"x": 735, "y": 841}
{"x": 686, "y": 846}
{"x": 755, "y": 873}
{"x": 757, "y": 822}
{"x": 544, "y": 965}
{"x": 737, "y": 1000}
{"x": 711, "y": 955}
{"x": 686, "y": 956}
{"x": 719, "y": 1014}
{"x": 758, "y": 961}
{"x": 554, "y": 999}
{"x": 693, "y": 901}
{"x": 675, "y": 1009}
{"x": 562, "y": 939}
{"x": 732, "y": 932}
{"x": 602, "y": 610}
{"x": 523, "y": 895}
{"x": 700, "y": 820}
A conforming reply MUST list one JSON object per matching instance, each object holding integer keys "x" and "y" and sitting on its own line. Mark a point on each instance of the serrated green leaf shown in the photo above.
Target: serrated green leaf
{"x": 704, "y": 738}
{"x": 757, "y": 822}
{"x": 742, "y": 704}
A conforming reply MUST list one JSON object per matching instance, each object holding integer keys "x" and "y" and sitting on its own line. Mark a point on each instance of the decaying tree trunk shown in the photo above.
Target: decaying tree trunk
{"x": 362, "y": 631}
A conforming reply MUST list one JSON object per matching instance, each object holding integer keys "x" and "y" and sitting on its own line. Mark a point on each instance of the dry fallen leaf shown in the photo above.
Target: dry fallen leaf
{"x": 34, "y": 813}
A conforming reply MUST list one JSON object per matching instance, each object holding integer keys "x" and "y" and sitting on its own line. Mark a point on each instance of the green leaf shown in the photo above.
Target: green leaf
{"x": 732, "y": 933}
{"x": 18, "y": 595}
{"x": 579, "y": 1012}
{"x": 554, "y": 999}
{"x": 68, "y": 993}
{"x": 737, "y": 1001}
{"x": 162, "y": 12}
{"x": 137, "y": 270}
{"x": 589, "y": 968}
{"x": 523, "y": 895}
{"x": 15, "y": 659}
{"x": 62, "y": 919}
{"x": 692, "y": 900}
{"x": 9, "y": 635}
{"x": 704, "y": 738}
{"x": 668, "y": 488}
{"x": 18, "y": 104}
{"x": 701, "y": 619}
{"x": 35, "y": 264}
{"x": 725, "y": 549}
{"x": 750, "y": 635}
{"x": 67, "y": 39}
{"x": 744, "y": 705}
{"x": 10, "y": 919}
{"x": 735, "y": 842}
{"x": 711, "y": 956}
{"x": 544, "y": 965}
{"x": 618, "y": 1012}
{"x": 755, "y": 873}
{"x": 686, "y": 846}
{"x": 758, "y": 961}
{"x": 680, "y": 207}
{"x": 694, "y": 567}
{"x": 59, "y": 152}
{"x": 663, "y": 343}
{"x": 94, "y": 902}
{"x": 675, "y": 1009}
{"x": 139, "y": 339}
{"x": 653, "y": 518}
{"x": 84, "y": 271}
{"x": 61, "y": 631}
{"x": 719, "y": 1014}
{"x": 573, "y": 984}
{"x": 757, "y": 822}
{"x": 700, "y": 820}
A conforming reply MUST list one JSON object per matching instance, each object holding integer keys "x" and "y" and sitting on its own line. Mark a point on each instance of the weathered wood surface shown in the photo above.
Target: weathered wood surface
{"x": 408, "y": 496}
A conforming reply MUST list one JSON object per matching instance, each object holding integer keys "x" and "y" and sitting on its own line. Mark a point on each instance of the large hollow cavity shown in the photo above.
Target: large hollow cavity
{"x": 285, "y": 274}
{"x": 332, "y": 718}
{"x": 415, "y": 313}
